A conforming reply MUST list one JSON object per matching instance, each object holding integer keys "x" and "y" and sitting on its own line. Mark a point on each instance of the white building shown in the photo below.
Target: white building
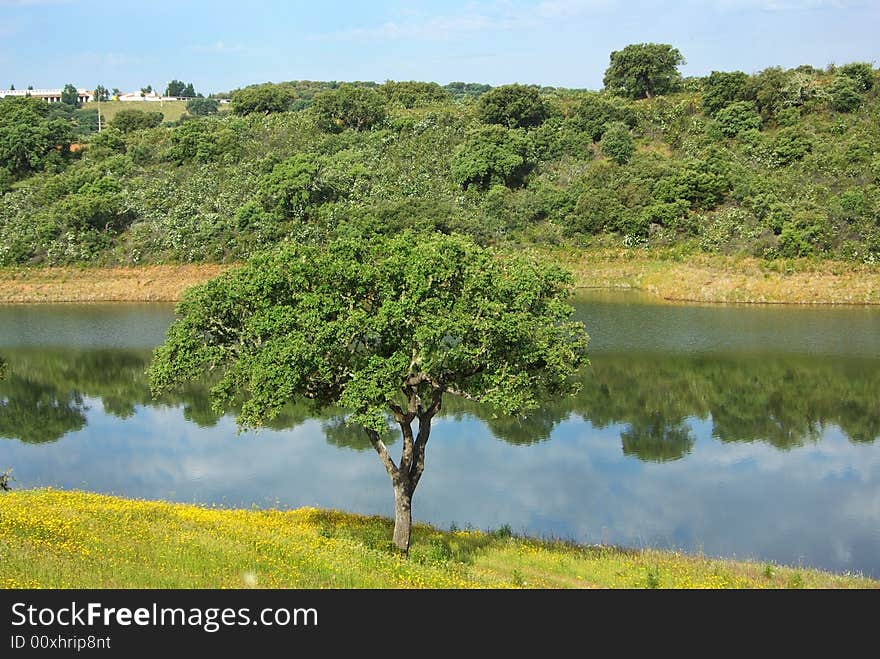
{"x": 49, "y": 95}
{"x": 152, "y": 96}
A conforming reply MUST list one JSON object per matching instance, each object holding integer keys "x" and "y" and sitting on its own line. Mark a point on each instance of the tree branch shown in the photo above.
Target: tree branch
{"x": 382, "y": 450}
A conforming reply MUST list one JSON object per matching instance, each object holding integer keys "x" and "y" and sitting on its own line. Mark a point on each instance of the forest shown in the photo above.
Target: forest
{"x": 779, "y": 163}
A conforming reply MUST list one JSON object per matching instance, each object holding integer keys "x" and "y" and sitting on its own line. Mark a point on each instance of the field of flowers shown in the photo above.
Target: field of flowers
{"x": 69, "y": 539}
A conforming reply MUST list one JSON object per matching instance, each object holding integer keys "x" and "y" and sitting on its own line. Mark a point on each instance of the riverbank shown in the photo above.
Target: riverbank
{"x": 67, "y": 539}
{"x": 694, "y": 278}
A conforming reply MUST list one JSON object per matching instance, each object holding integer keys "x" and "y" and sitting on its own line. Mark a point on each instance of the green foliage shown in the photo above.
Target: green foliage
{"x": 202, "y": 107}
{"x": 262, "y": 99}
{"x": 617, "y": 143}
{"x": 490, "y": 155}
{"x": 723, "y": 88}
{"x": 353, "y": 322}
{"x": 790, "y": 145}
{"x": 101, "y": 94}
{"x": 466, "y": 90}
{"x": 69, "y": 96}
{"x": 861, "y": 73}
{"x": 437, "y": 167}
{"x": 359, "y": 108}
{"x": 29, "y": 140}
{"x": 702, "y": 183}
{"x": 203, "y": 140}
{"x": 845, "y": 95}
{"x": 179, "y": 89}
{"x": 126, "y": 121}
{"x": 644, "y": 70}
{"x": 513, "y": 106}
{"x": 737, "y": 118}
{"x": 414, "y": 94}
{"x": 292, "y": 186}
{"x": 595, "y": 111}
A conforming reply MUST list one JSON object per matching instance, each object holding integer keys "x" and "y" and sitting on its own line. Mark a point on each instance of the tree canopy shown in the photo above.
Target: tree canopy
{"x": 513, "y": 106}
{"x": 202, "y": 107}
{"x": 264, "y": 99}
{"x": 383, "y": 328}
{"x": 349, "y": 106}
{"x": 69, "y": 95}
{"x": 644, "y": 70}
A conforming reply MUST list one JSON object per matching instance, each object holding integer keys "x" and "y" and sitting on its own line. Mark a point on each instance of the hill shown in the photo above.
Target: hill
{"x": 779, "y": 164}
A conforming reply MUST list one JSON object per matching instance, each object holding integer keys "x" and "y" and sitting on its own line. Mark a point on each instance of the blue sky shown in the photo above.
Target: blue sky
{"x": 220, "y": 45}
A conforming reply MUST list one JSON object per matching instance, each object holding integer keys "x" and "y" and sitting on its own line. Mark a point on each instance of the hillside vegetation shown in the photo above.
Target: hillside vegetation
{"x": 781, "y": 163}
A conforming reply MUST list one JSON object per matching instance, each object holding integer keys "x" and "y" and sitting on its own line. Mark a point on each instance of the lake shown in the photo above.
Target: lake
{"x": 736, "y": 431}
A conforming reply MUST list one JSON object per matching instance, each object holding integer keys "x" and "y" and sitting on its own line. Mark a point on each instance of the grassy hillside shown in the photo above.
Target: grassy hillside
{"x": 172, "y": 110}
{"x": 54, "y": 539}
{"x": 779, "y": 164}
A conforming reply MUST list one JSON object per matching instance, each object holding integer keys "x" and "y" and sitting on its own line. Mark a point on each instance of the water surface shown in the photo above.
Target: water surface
{"x": 749, "y": 432}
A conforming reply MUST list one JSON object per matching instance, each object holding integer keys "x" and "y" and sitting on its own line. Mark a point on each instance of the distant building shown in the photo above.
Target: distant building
{"x": 152, "y": 96}
{"x": 49, "y": 95}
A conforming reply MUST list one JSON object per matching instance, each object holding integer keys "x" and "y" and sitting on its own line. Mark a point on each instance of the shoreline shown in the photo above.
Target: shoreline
{"x": 697, "y": 278}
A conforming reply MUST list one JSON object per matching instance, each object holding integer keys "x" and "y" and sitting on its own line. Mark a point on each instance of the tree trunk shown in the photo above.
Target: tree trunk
{"x": 402, "y": 516}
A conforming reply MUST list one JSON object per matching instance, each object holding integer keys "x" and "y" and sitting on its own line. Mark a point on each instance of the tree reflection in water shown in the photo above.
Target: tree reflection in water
{"x": 784, "y": 401}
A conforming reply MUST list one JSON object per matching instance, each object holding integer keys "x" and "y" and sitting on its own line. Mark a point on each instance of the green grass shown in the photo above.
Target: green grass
{"x": 58, "y": 539}
{"x": 172, "y": 110}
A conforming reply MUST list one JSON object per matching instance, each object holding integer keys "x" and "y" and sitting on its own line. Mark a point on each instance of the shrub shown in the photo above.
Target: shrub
{"x": 513, "y": 106}
{"x": 490, "y": 155}
{"x": 263, "y": 99}
{"x": 617, "y": 143}
{"x": 127, "y": 121}
{"x": 738, "y": 117}
{"x": 359, "y": 108}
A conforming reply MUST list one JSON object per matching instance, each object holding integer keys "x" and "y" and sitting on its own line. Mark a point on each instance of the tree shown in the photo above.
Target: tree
{"x": 116, "y": 92}
{"x": 722, "y": 88}
{"x": 349, "y": 106}
{"x": 202, "y": 107}
{"x": 593, "y": 113}
{"x": 292, "y": 186}
{"x": 175, "y": 88}
{"x": 127, "y": 121}
{"x": 861, "y": 73}
{"x": 69, "y": 95}
{"x": 29, "y": 136}
{"x": 189, "y": 91}
{"x": 387, "y": 327}
{"x": 101, "y": 93}
{"x": 617, "y": 143}
{"x": 146, "y": 90}
{"x": 644, "y": 70}
{"x": 261, "y": 98}
{"x": 845, "y": 95}
{"x": 488, "y": 156}
{"x": 513, "y": 106}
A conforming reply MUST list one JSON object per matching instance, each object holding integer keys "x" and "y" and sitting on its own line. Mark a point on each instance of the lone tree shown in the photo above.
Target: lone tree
{"x": 383, "y": 329}
{"x": 69, "y": 96}
{"x": 644, "y": 70}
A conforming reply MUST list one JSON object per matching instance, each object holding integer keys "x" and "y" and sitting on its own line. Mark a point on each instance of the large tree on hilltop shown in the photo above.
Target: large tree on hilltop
{"x": 644, "y": 70}
{"x": 384, "y": 329}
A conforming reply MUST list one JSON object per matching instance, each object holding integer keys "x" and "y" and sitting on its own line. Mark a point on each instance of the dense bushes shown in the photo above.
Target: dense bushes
{"x": 784, "y": 163}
